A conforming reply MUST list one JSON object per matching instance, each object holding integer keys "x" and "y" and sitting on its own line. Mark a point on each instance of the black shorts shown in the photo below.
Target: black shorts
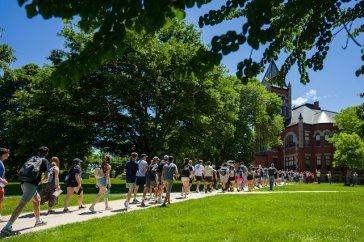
{"x": 140, "y": 181}
{"x": 72, "y": 184}
{"x": 231, "y": 178}
{"x": 199, "y": 178}
{"x": 208, "y": 178}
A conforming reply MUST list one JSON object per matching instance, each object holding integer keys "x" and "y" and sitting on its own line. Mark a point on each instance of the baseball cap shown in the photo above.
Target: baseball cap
{"x": 155, "y": 158}
{"x": 144, "y": 155}
{"x": 166, "y": 157}
{"x": 76, "y": 160}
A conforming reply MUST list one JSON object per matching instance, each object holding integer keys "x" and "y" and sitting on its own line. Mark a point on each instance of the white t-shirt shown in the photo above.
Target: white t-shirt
{"x": 142, "y": 165}
{"x": 208, "y": 170}
{"x": 198, "y": 169}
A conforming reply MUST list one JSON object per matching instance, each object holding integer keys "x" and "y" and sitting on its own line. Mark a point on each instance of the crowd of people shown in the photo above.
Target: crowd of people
{"x": 155, "y": 178}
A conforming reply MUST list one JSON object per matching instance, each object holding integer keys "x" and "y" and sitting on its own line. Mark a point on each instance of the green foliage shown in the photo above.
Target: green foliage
{"x": 349, "y": 151}
{"x": 349, "y": 144}
{"x": 303, "y": 30}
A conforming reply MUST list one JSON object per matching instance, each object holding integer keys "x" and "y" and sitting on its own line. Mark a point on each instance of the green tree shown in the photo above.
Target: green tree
{"x": 349, "y": 151}
{"x": 301, "y": 29}
{"x": 45, "y": 116}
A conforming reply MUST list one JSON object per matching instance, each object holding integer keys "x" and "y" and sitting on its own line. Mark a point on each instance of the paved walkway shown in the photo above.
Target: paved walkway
{"x": 25, "y": 222}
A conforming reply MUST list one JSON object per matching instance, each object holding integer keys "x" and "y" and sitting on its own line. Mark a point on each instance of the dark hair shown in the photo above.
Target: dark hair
{"x": 170, "y": 158}
{"x": 4, "y": 151}
{"x": 105, "y": 162}
{"x": 43, "y": 151}
{"x": 185, "y": 161}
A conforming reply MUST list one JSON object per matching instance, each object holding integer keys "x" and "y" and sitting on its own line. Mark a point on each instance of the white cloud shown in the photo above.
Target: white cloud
{"x": 308, "y": 96}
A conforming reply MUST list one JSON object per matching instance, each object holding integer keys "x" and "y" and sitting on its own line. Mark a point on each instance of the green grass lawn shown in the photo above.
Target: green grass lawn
{"x": 291, "y": 213}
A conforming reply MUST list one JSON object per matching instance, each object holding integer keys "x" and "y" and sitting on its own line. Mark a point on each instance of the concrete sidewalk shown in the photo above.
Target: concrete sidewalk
{"x": 25, "y": 222}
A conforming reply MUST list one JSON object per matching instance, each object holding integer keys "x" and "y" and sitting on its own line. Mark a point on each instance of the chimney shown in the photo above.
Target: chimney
{"x": 316, "y": 105}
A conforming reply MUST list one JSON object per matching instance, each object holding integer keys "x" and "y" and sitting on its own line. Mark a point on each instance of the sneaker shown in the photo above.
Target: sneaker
{"x": 92, "y": 209}
{"x": 197, "y": 191}
{"x": 127, "y": 208}
{"x": 9, "y": 232}
{"x": 81, "y": 207}
{"x": 135, "y": 200}
{"x": 3, "y": 219}
{"x": 37, "y": 224}
{"x": 66, "y": 210}
{"x": 108, "y": 208}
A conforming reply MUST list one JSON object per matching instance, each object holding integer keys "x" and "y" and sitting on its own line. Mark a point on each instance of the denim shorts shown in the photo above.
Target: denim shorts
{"x": 29, "y": 191}
{"x": 101, "y": 182}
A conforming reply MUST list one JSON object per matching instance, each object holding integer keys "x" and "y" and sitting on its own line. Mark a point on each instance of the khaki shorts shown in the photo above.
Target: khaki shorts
{"x": 152, "y": 184}
{"x": 131, "y": 185}
{"x": 168, "y": 184}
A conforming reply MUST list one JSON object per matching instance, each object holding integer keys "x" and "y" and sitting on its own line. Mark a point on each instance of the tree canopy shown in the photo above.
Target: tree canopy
{"x": 349, "y": 143}
{"x": 303, "y": 30}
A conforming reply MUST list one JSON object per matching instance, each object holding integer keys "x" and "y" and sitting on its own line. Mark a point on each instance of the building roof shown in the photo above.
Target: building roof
{"x": 310, "y": 115}
{"x": 272, "y": 72}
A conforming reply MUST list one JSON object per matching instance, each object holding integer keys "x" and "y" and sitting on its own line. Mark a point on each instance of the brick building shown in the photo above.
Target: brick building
{"x": 305, "y": 134}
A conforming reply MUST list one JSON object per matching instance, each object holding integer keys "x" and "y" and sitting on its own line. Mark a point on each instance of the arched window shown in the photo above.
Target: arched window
{"x": 327, "y": 136}
{"x": 318, "y": 139}
{"x": 290, "y": 141}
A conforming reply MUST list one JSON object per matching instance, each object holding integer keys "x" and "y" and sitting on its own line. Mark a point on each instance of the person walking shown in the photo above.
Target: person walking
{"x": 159, "y": 174}
{"x": 208, "y": 172}
{"x": 131, "y": 169}
{"x": 186, "y": 171}
{"x": 329, "y": 176}
{"x": 53, "y": 179}
{"x": 272, "y": 171}
{"x": 152, "y": 178}
{"x": 74, "y": 186}
{"x": 4, "y": 155}
{"x": 224, "y": 176}
{"x": 170, "y": 171}
{"x": 199, "y": 171}
{"x": 103, "y": 184}
{"x": 30, "y": 193}
{"x": 140, "y": 177}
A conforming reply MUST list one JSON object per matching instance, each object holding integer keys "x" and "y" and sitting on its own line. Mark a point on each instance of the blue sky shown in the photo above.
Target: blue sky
{"x": 335, "y": 87}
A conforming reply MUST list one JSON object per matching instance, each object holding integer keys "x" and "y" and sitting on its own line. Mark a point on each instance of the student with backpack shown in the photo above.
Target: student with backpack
{"x": 152, "y": 178}
{"x": 224, "y": 176}
{"x": 34, "y": 167}
{"x": 53, "y": 183}
{"x": 131, "y": 169}
{"x": 103, "y": 183}
{"x": 160, "y": 183}
{"x": 74, "y": 185}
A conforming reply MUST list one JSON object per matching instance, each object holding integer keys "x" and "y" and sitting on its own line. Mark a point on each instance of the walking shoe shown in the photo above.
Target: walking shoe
{"x": 197, "y": 191}
{"x": 81, "y": 207}
{"x": 37, "y": 224}
{"x": 9, "y": 232}
{"x": 66, "y": 210}
{"x": 92, "y": 209}
{"x": 135, "y": 200}
{"x": 108, "y": 208}
{"x": 3, "y": 219}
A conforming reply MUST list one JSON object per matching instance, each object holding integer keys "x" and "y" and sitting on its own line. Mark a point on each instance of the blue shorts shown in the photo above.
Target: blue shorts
{"x": 101, "y": 182}
{"x": 29, "y": 191}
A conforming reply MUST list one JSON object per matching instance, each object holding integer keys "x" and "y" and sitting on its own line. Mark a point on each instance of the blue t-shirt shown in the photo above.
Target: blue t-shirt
{"x": 131, "y": 168}
{"x": 2, "y": 170}
{"x": 75, "y": 170}
{"x": 169, "y": 170}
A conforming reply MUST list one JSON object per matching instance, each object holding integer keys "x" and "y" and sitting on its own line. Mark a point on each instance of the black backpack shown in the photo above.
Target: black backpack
{"x": 160, "y": 166}
{"x": 151, "y": 172}
{"x": 30, "y": 169}
{"x": 223, "y": 171}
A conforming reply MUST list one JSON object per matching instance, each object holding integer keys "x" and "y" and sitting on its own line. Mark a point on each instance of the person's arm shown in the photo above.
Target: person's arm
{"x": 56, "y": 178}
{"x": 176, "y": 172}
{"x": 77, "y": 178}
{"x": 108, "y": 183}
{"x": 162, "y": 176}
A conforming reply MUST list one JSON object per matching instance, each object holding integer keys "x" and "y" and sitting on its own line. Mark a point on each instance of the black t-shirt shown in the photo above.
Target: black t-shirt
{"x": 43, "y": 168}
{"x": 185, "y": 170}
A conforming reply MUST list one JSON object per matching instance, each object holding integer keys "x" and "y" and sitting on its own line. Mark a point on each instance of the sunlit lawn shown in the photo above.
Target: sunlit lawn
{"x": 333, "y": 214}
